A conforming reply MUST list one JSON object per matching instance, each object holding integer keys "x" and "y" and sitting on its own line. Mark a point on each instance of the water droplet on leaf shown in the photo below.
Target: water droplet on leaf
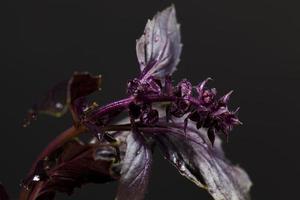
{"x": 138, "y": 152}
{"x": 59, "y": 105}
{"x": 182, "y": 167}
{"x": 36, "y": 178}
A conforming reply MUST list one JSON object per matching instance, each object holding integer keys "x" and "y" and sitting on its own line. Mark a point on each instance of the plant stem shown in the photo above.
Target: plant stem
{"x": 52, "y": 146}
{"x": 123, "y": 103}
{"x": 58, "y": 142}
{"x": 112, "y": 107}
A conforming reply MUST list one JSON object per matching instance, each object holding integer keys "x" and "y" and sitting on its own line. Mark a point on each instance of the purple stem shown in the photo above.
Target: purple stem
{"x": 116, "y": 105}
{"x": 123, "y": 103}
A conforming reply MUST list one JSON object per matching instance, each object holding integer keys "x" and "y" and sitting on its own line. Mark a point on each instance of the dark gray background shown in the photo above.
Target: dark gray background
{"x": 252, "y": 47}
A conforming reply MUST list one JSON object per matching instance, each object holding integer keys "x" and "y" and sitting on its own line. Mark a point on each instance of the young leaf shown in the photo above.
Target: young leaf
{"x": 159, "y": 48}
{"x": 205, "y": 165}
{"x": 135, "y": 169}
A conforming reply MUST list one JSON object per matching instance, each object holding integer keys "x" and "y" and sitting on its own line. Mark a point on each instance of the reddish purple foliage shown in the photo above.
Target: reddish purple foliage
{"x": 183, "y": 120}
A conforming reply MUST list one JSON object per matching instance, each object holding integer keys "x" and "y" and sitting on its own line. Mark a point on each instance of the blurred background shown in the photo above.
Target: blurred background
{"x": 252, "y": 47}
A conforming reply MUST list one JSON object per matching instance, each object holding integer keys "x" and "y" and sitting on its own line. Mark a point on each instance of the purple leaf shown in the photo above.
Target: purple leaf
{"x": 205, "y": 165}
{"x": 71, "y": 166}
{"x": 135, "y": 168}
{"x": 159, "y": 48}
{"x": 3, "y": 193}
{"x": 62, "y": 96}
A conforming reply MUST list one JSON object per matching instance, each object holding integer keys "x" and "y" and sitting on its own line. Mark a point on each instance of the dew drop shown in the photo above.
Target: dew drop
{"x": 138, "y": 152}
{"x": 36, "y": 178}
{"x": 182, "y": 167}
{"x": 173, "y": 158}
{"x": 31, "y": 115}
{"x": 59, "y": 105}
{"x": 99, "y": 136}
{"x": 25, "y": 186}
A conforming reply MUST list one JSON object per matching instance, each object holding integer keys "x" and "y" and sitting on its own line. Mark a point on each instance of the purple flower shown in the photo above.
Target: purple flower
{"x": 182, "y": 120}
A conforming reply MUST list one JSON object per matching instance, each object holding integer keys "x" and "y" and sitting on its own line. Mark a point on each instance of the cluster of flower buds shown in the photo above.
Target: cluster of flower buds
{"x": 204, "y": 108}
{"x": 150, "y": 86}
{"x": 145, "y": 113}
{"x": 196, "y": 103}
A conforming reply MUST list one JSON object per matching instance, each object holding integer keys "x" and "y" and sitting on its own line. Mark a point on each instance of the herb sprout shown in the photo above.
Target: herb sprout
{"x": 182, "y": 120}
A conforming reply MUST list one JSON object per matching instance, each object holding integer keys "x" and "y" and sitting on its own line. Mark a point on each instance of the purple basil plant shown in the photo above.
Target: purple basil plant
{"x": 182, "y": 120}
